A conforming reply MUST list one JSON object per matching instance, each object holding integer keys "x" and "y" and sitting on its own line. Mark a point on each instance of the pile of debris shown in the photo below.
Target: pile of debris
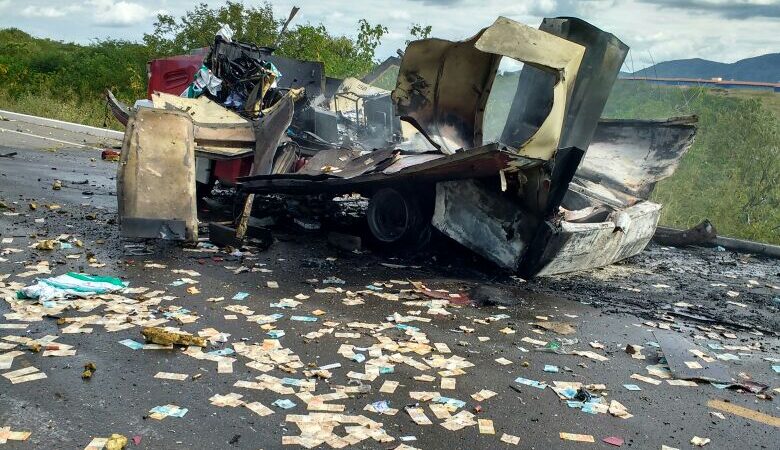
{"x": 556, "y": 190}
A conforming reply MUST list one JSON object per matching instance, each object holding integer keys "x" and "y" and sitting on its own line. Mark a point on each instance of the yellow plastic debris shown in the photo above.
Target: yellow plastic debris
{"x": 116, "y": 442}
{"x": 163, "y": 337}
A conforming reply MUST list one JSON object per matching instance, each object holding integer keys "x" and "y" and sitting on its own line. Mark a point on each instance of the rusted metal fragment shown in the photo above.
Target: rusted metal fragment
{"x": 120, "y": 111}
{"x": 701, "y": 234}
{"x": 156, "y": 177}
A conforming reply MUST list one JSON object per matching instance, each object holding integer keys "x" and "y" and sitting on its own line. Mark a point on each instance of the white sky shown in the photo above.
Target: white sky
{"x": 659, "y": 30}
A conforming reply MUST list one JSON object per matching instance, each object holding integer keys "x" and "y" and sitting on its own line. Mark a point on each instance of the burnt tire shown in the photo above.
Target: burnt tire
{"x": 400, "y": 219}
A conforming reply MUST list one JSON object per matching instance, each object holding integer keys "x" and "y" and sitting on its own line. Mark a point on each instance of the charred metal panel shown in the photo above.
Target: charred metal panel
{"x": 297, "y": 73}
{"x": 269, "y": 130}
{"x": 570, "y": 247}
{"x": 444, "y": 85}
{"x": 630, "y": 156}
{"x": 480, "y": 162}
{"x": 482, "y": 220}
{"x": 557, "y": 58}
{"x": 604, "y": 56}
{"x": 156, "y": 176}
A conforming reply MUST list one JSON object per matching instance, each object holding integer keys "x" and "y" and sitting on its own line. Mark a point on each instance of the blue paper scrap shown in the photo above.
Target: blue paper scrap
{"x": 304, "y": 318}
{"x": 275, "y": 334}
{"x": 284, "y": 403}
{"x": 221, "y": 352}
{"x": 532, "y": 383}
{"x": 292, "y": 381}
{"x": 132, "y": 344}
{"x": 380, "y": 406}
{"x": 168, "y": 411}
{"x": 450, "y": 401}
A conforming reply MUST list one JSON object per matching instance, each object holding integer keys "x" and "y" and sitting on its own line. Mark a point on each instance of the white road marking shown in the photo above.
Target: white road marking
{"x": 4, "y": 130}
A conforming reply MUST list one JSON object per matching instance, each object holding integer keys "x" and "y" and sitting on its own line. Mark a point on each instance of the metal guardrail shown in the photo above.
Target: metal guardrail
{"x": 62, "y": 125}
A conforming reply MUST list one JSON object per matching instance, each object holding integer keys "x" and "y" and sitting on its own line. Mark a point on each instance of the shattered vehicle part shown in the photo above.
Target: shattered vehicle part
{"x": 701, "y": 234}
{"x": 445, "y": 85}
{"x": 474, "y": 216}
{"x": 219, "y": 133}
{"x": 156, "y": 177}
{"x": 120, "y": 111}
{"x": 628, "y": 157}
{"x": 681, "y": 357}
{"x": 269, "y": 130}
{"x": 624, "y": 161}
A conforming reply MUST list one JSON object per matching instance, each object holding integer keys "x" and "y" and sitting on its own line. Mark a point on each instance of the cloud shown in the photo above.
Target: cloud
{"x": 732, "y": 9}
{"x": 48, "y": 12}
{"x": 119, "y": 14}
{"x": 656, "y": 30}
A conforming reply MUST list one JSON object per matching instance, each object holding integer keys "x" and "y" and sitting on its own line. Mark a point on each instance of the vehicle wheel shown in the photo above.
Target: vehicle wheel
{"x": 400, "y": 218}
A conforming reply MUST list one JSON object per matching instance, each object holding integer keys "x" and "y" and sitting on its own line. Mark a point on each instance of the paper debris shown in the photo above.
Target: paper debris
{"x": 648, "y": 380}
{"x": 483, "y": 395}
{"x": 388, "y": 387}
{"x": 232, "y": 400}
{"x": 171, "y": 376}
{"x": 556, "y": 327}
{"x": 509, "y": 439}
{"x": 614, "y": 440}
{"x": 24, "y": 375}
{"x": 284, "y": 403}
{"x": 532, "y": 383}
{"x": 259, "y": 409}
{"x": 486, "y": 426}
{"x": 7, "y": 435}
{"x": 418, "y": 416}
{"x": 576, "y": 437}
{"x": 161, "y": 412}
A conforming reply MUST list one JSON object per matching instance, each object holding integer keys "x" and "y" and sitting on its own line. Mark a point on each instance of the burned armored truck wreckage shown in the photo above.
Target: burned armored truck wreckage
{"x": 551, "y": 189}
{"x": 531, "y": 199}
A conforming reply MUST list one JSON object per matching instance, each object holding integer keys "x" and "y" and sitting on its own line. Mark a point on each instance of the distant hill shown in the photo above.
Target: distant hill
{"x": 760, "y": 68}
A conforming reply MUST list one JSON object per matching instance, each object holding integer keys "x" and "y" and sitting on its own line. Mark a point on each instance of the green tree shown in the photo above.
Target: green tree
{"x": 342, "y": 55}
{"x": 417, "y": 31}
{"x": 731, "y": 175}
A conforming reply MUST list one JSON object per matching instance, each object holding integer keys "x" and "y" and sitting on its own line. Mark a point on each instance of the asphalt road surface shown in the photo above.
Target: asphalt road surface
{"x": 615, "y": 306}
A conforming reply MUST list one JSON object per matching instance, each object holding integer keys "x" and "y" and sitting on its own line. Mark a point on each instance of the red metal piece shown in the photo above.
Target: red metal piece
{"x": 110, "y": 155}
{"x": 226, "y": 171}
{"x": 172, "y": 76}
